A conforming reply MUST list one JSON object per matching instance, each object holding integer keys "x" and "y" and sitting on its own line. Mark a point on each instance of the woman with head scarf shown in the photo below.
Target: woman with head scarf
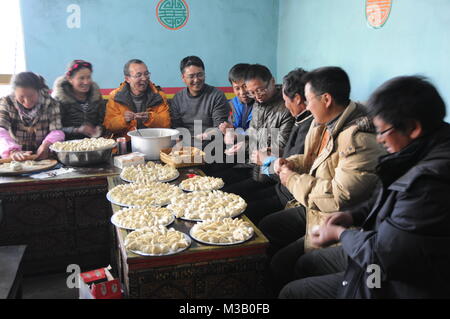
{"x": 82, "y": 105}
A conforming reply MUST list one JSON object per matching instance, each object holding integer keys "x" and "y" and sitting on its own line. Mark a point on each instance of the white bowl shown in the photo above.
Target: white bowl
{"x": 150, "y": 141}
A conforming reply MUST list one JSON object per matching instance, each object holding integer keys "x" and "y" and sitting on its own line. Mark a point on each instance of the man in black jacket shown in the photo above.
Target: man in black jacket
{"x": 403, "y": 247}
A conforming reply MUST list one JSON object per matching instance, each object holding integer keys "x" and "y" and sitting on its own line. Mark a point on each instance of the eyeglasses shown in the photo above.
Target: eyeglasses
{"x": 139, "y": 75}
{"x": 318, "y": 95}
{"x": 385, "y": 131}
{"x": 200, "y": 75}
{"x": 258, "y": 92}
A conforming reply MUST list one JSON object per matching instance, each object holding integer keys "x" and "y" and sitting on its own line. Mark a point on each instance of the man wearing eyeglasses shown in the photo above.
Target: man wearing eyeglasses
{"x": 402, "y": 248}
{"x": 269, "y": 131}
{"x": 198, "y": 101}
{"x": 137, "y": 103}
{"x": 269, "y": 112}
{"x": 336, "y": 170}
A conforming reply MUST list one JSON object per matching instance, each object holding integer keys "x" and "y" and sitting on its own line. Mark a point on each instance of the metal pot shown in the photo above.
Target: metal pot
{"x": 84, "y": 158}
{"x": 150, "y": 141}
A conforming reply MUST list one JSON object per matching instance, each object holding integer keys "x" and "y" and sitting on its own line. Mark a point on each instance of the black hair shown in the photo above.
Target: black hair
{"x": 332, "y": 80}
{"x": 29, "y": 80}
{"x": 258, "y": 71}
{"x": 293, "y": 83}
{"x": 238, "y": 72}
{"x": 191, "y": 60}
{"x": 405, "y": 98}
{"x": 126, "y": 67}
{"x": 77, "y": 65}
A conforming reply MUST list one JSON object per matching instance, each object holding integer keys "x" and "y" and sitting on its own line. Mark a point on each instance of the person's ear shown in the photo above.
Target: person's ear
{"x": 298, "y": 99}
{"x": 416, "y": 129}
{"x": 327, "y": 99}
{"x": 127, "y": 79}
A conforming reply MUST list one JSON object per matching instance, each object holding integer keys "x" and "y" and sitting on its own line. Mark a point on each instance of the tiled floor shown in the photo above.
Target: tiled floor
{"x": 48, "y": 287}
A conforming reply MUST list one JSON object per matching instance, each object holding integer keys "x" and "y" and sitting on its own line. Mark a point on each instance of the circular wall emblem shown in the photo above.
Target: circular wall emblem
{"x": 172, "y": 14}
{"x": 377, "y": 12}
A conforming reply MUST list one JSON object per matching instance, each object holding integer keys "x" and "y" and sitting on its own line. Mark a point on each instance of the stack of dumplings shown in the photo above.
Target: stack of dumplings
{"x": 225, "y": 231}
{"x": 144, "y": 194}
{"x": 202, "y": 183}
{"x": 149, "y": 172}
{"x": 207, "y": 205}
{"x": 139, "y": 217}
{"x": 156, "y": 240}
{"x": 86, "y": 144}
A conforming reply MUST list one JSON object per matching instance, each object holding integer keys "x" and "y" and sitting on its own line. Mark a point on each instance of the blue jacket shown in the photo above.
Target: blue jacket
{"x": 237, "y": 110}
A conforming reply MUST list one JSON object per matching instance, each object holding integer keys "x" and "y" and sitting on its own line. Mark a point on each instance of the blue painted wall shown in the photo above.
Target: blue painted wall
{"x": 221, "y": 32}
{"x": 414, "y": 40}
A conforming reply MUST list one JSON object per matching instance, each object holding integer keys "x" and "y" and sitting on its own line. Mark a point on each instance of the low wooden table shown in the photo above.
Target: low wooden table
{"x": 63, "y": 220}
{"x": 202, "y": 271}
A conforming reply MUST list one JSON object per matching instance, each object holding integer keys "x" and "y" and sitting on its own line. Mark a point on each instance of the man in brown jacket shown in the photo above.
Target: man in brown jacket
{"x": 337, "y": 169}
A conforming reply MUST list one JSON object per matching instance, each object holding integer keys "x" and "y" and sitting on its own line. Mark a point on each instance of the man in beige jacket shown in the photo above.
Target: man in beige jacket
{"x": 337, "y": 169}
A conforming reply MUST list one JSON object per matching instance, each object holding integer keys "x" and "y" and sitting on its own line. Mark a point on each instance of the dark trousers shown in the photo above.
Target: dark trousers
{"x": 284, "y": 230}
{"x": 265, "y": 202}
{"x": 284, "y": 227}
{"x": 322, "y": 272}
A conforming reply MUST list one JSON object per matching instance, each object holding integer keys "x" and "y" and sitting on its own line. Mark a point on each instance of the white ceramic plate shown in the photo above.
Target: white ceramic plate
{"x": 161, "y": 181}
{"x": 200, "y": 190}
{"x": 200, "y": 220}
{"x": 116, "y": 223}
{"x": 108, "y": 197}
{"x": 220, "y": 244}
{"x": 188, "y": 239}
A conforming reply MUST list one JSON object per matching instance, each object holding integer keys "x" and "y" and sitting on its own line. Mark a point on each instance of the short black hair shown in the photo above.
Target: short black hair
{"x": 405, "y": 98}
{"x": 332, "y": 80}
{"x": 238, "y": 72}
{"x": 258, "y": 71}
{"x": 29, "y": 80}
{"x": 191, "y": 60}
{"x": 126, "y": 67}
{"x": 293, "y": 83}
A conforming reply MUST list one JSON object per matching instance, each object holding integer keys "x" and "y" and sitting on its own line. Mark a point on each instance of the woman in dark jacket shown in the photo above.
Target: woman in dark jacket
{"x": 403, "y": 248}
{"x": 82, "y": 105}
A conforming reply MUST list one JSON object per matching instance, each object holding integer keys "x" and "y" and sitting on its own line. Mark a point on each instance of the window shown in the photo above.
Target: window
{"x": 12, "y": 57}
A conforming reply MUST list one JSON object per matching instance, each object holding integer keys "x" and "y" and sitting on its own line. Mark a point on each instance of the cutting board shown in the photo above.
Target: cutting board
{"x": 27, "y": 169}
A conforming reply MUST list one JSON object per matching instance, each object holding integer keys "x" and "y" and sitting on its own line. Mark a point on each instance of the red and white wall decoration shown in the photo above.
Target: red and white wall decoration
{"x": 377, "y": 12}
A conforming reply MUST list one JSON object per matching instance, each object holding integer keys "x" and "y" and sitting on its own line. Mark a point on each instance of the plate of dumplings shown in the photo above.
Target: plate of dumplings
{"x": 222, "y": 232}
{"x": 203, "y": 205}
{"x": 157, "y": 241}
{"x": 201, "y": 183}
{"x": 137, "y": 194}
{"x": 149, "y": 172}
{"x": 133, "y": 218}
